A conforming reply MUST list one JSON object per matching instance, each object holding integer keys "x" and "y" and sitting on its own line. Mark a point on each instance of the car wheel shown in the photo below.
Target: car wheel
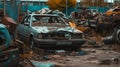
{"x": 118, "y": 35}
{"x": 108, "y": 40}
{"x": 31, "y": 44}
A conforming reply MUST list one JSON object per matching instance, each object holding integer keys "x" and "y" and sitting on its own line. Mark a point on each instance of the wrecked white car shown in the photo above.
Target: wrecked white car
{"x": 47, "y": 31}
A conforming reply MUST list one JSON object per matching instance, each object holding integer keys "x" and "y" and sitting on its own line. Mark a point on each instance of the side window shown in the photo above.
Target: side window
{"x": 34, "y": 19}
{"x": 26, "y": 20}
{"x": 59, "y": 20}
{"x": 53, "y": 20}
{"x": 56, "y": 20}
{"x": 45, "y": 19}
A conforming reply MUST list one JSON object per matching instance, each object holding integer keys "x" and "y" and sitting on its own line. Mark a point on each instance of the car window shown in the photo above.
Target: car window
{"x": 40, "y": 20}
{"x": 26, "y": 20}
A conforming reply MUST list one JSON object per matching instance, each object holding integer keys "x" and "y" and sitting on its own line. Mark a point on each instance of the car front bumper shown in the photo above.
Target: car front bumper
{"x": 56, "y": 43}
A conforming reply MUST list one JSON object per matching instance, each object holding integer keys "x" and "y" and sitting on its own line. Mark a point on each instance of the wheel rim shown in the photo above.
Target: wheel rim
{"x": 31, "y": 44}
{"x": 118, "y": 36}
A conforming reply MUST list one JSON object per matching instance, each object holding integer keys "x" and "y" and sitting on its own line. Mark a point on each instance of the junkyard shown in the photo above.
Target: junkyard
{"x": 59, "y": 33}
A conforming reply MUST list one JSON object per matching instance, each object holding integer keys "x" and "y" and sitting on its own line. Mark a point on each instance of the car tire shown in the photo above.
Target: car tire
{"x": 108, "y": 40}
{"x": 31, "y": 43}
{"x": 118, "y": 35}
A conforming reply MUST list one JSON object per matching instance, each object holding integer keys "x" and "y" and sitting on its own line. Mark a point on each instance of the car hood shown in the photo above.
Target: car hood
{"x": 45, "y": 29}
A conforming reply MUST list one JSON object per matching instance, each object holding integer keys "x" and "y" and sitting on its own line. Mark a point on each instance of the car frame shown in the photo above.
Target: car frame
{"x": 113, "y": 11}
{"x": 9, "y": 56}
{"x": 49, "y": 35}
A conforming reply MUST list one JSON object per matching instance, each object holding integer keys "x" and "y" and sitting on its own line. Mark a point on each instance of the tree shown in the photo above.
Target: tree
{"x": 61, "y": 4}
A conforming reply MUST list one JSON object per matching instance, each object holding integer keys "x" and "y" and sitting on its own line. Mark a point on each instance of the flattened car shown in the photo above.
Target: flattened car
{"x": 48, "y": 31}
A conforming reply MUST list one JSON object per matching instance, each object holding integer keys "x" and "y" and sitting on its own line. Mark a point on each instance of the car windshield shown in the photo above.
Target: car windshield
{"x": 39, "y": 20}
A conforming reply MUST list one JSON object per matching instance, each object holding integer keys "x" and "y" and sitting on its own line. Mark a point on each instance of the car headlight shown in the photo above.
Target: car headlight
{"x": 68, "y": 36}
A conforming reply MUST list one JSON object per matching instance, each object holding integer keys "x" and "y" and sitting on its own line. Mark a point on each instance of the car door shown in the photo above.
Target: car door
{"x": 23, "y": 28}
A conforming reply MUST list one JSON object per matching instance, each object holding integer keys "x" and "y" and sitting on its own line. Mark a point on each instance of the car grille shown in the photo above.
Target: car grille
{"x": 60, "y": 36}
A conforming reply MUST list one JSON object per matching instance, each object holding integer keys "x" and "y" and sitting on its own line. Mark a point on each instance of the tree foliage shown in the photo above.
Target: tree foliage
{"x": 61, "y": 4}
{"x": 99, "y": 3}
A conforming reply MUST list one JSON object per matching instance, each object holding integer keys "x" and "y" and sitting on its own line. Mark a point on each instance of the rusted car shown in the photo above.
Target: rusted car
{"x": 115, "y": 27}
{"x": 113, "y": 11}
{"x": 47, "y": 31}
{"x": 8, "y": 53}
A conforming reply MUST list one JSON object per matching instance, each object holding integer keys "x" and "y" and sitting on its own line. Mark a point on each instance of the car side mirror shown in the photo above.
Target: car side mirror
{"x": 26, "y": 24}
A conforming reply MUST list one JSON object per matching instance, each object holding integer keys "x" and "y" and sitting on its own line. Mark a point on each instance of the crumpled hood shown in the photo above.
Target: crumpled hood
{"x": 45, "y": 29}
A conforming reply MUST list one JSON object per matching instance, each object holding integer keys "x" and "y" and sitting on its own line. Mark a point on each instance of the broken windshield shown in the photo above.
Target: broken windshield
{"x": 38, "y": 20}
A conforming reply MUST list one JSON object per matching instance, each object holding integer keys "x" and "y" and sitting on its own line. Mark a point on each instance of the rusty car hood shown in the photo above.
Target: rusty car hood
{"x": 45, "y": 29}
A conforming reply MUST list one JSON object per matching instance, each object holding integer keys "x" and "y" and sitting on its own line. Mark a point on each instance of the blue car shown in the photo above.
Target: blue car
{"x": 9, "y": 56}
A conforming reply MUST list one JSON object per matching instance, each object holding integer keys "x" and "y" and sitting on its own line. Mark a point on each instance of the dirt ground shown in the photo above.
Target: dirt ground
{"x": 90, "y": 56}
{"x": 95, "y": 58}
{"x": 94, "y": 53}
